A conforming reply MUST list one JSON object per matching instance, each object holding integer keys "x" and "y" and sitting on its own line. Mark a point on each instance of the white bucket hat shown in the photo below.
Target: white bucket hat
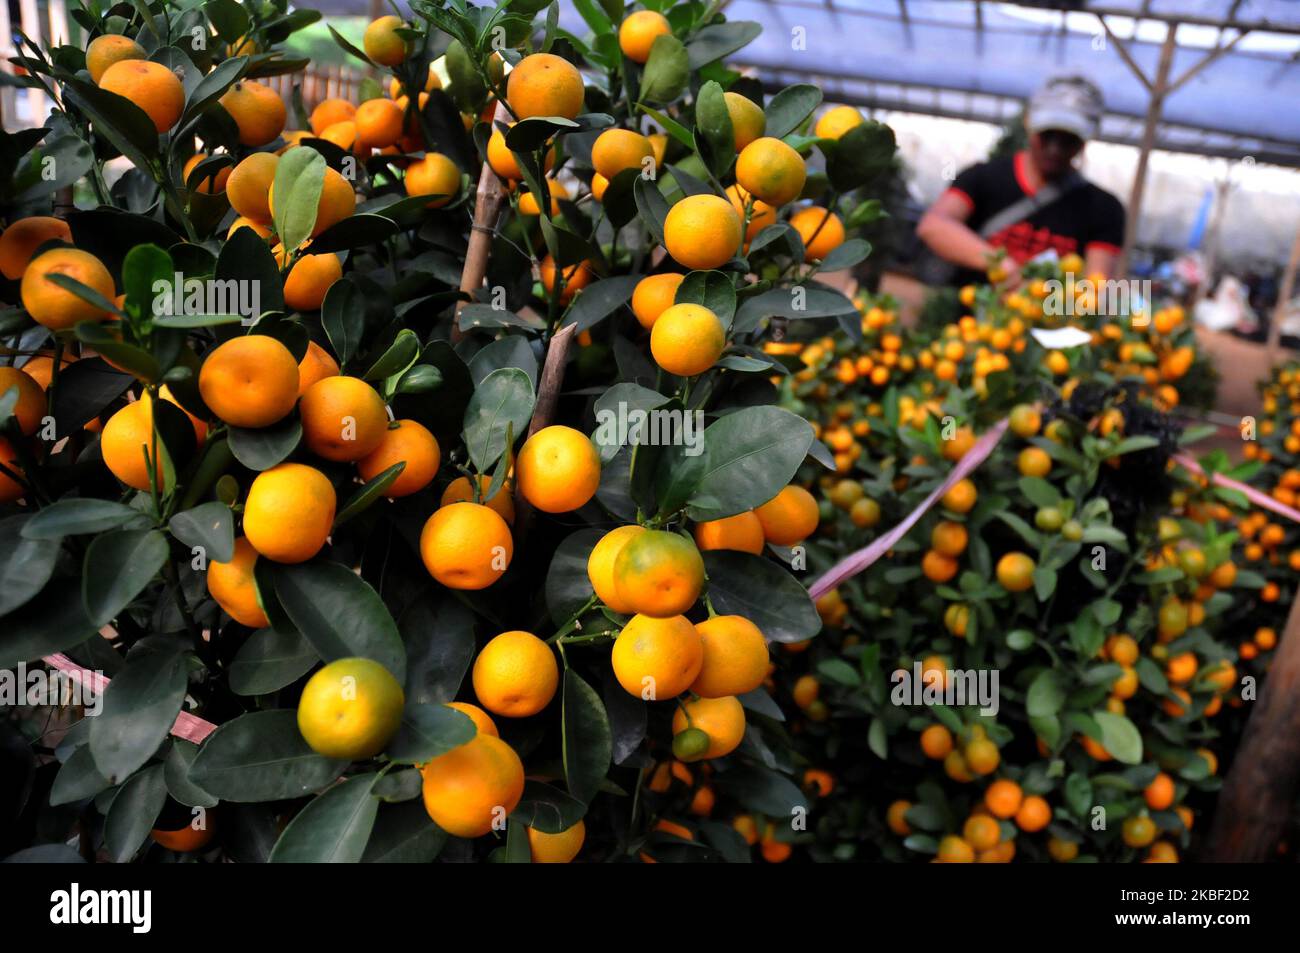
{"x": 1069, "y": 103}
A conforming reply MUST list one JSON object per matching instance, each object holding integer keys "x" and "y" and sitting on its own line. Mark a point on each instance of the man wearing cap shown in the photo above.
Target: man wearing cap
{"x": 1035, "y": 200}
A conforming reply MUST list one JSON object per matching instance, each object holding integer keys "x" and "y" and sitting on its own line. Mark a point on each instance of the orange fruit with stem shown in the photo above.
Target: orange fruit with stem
{"x": 543, "y": 84}
{"x": 821, "y": 230}
{"x": 617, "y": 149}
{"x": 343, "y": 418}
{"x": 466, "y": 546}
{"x": 408, "y": 442}
{"x": 249, "y": 381}
{"x": 233, "y": 587}
{"x": 657, "y": 658}
{"x": 638, "y": 32}
{"x": 152, "y": 87}
{"x": 109, "y": 48}
{"x": 658, "y": 574}
{"x": 382, "y": 43}
{"x": 558, "y": 469}
{"x": 52, "y": 305}
{"x": 474, "y": 786}
{"x": 735, "y": 657}
{"x": 789, "y": 517}
{"x": 702, "y": 232}
{"x": 653, "y": 295}
{"x": 435, "y": 175}
{"x": 18, "y": 242}
{"x": 769, "y": 169}
{"x": 258, "y": 111}
{"x": 722, "y": 719}
{"x": 460, "y": 490}
{"x": 309, "y": 279}
{"x": 289, "y": 512}
{"x": 687, "y": 339}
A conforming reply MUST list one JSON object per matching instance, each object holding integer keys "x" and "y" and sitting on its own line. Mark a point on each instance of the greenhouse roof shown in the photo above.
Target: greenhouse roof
{"x": 1239, "y": 61}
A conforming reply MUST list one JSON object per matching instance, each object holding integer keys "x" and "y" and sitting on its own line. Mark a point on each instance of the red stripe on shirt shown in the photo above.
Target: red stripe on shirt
{"x": 1021, "y": 178}
{"x": 953, "y": 190}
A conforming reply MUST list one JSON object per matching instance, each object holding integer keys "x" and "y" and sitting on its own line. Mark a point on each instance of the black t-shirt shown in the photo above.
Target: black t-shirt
{"x": 1084, "y": 217}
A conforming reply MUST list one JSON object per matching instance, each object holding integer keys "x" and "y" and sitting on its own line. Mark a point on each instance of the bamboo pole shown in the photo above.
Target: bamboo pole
{"x": 1284, "y": 295}
{"x": 1260, "y": 789}
{"x": 1159, "y": 89}
{"x": 487, "y": 206}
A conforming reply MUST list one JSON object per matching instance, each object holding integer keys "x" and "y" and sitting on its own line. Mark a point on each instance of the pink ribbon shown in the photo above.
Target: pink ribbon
{"x": 187, "y": 726}
{"x": 1255, "y": 496}
{"x": 854, "y": 563}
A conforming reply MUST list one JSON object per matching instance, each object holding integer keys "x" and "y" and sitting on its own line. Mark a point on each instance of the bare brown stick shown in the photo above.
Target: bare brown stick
{"x": 1259, "y": 791}
{"x": 548, "y": 394}
{"x": 487, "y": 206}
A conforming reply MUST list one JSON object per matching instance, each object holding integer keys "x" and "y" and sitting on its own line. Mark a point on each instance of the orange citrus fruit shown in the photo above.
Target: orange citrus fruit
{"x": 742, "y": 532}
{"x": 51, "y": 305}
{"x": 722, "y": 719}
{"x": 18, "y": 242}
{"x": 382, "y": 43}
{"x": 687, "y": 339}
{"x": 103, "y": 51}
{"x": 600, "y": 566}
{"x": 231, "y": 585}
{"x": 735, "y": 657}
{"x": 657, "y": 659}
{"x": 343, "y": 418}
{"x": 789, "y": 517}
{"x": 653, "y": 295}
{"x": 435, "y": 174}
{"x": 638, "y": 32}
{"x": 769, "y": 169}
{"x": 543, "y": 84}
{"x": 258, "y": 111}
{"x": 658, "y": 574}
{"x": 249, "y": 381}
{"x": 515, "y": 675}
{"x": 558, "y": 469}
{"x": 466, "y": 546}
{"x": 460, "y": 490}
{"x": 350, "y": 709}
{"x": 474, "y": 787}
{"x": 152, "y": 87}
{"x": 407, "y": 442}
{"x": 289, "y": 512}
{"x": 558, "y": 848}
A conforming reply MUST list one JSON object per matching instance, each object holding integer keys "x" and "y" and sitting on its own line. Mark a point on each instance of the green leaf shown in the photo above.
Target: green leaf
{"x": 115, "y": 118}
{"x": 246, "y": 257}
{"x": 761, "y": 789}
{"x": 568, "y": 586}
{"x": 119, "y": 564}
{"x": 176, "y": 772}
{"x": 503, "y": 401}
{"x": 78, "y": 779}
{"x": 333, "y": 828}
{"x": 26, "y": 564}
{"x": 54, "y": 622}
{"x": 135, "y": 809}
{"x": 401, "y": 354}
{"x": 861, "y": 154}
{"x": 438, "y": 631}
{"x": 264, "y": 448}
{"x": 587, "y": 741}
{"x": 847, "y": 255}
{"x": 371, "y": 491}
{"x": 261, "y": 756}
{"x": 1046, "y": 695}
{"x": 651, "y": 206}
{"x": 753, "y": 454}
{"x": 548, "y": 809}
{"x": 211, "y": 526}
{"x": 599, "y": 300}
{"x": 713, "y": 42}
{"x": 215, "y": 84}
{"x": 299, "y": 179}
{"x": 269, "y": 660}
{"x": 763, "y": 592}
{"x": 787, "y": 110}
{"x": 796, "y": 302}
{"x": 343, "y": 315}
{"x": 1119, "y": 737}
{"x": 666, "y": 72}
{"x": 228, "y": 18}
{"x": 340, "y": 614}
{"x": 140, "y": 707}
{"x": 428, "y": 731}
{"x": 713, "y": 125}
{"x": 711, "y": 289}
{"x": 403, "y": 834}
